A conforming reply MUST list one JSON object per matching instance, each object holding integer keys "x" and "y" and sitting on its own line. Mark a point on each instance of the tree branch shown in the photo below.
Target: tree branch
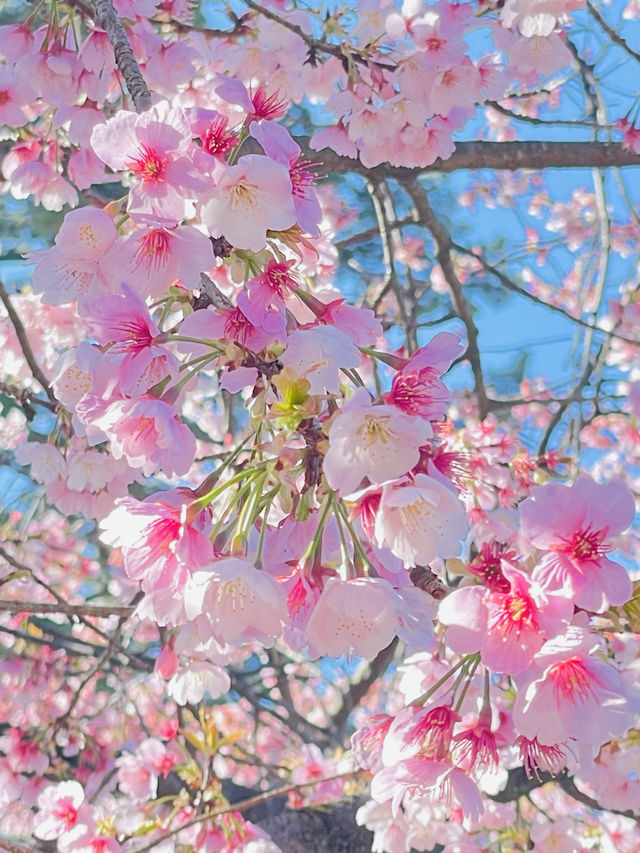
{"x": 110, "y": 22}
{"x": 359, "y": 689}
{"x": 240, "y": 806}
{"x": 443, "y": 256}
{"x": 21, "y": 334}
{"x": 506, "y": 282}
{"x": 502, "y": 156}
{"x": 613, "y": 35}
{"x": 102, "y": 612}
{"x": 319, "y": 45}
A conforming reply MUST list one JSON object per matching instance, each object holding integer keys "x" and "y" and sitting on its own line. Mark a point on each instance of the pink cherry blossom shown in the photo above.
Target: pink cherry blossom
{"x": 136, "y": 349}
{"x": 249, "y": 199}
{"x": 273, "y": 285}
{"x": 536, "y": 17}
{"x": 420, "y": 730}
{"x": 507, "y": 628}
{"x": 417, "y": 388}
{"x": 538, "y": 757}
{"x": 153, "y": 258}
{"x": 147, "y": 432}
{"x": 420, "y": 519}
{"x": 366, "y": 742}
{"x": 422, "y": 776}
{"x": 162, "y": 539}
{"x": 378, "y": 442}
{"x": 190, "y": 683}
{"x": 23, "y": 752}
{"x": 280, "y": 146}
{"x": 61, "y": 807}
{"x": 570, "y": 693}
{"x": 15, "y": 96}
{"x": 212, "y": 128}
{"x": 573, "y": 524}
{"x": 355, "y": 616}
{"x": 233, "y": 601}
{"x": 318, "y": 353}
{"x": 247, "y": 324}
{"x": 155, "y": 146}
{"x": 79, "y": 264}
{"x": 258, "y": 103}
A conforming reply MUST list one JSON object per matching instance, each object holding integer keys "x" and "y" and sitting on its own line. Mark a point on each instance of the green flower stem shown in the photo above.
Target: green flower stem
{"x": 470, "y": 672}
{"x": 464, "y": 661}
{"x": 357, "y": 544}
{"x": 316, "y": 542}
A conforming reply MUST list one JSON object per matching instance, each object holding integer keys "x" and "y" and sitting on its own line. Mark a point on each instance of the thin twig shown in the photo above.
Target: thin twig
{"x": 509, "y": 284}
{"x": 615, "y": 37}
{"x": 444, "y": 245}
{"x": 318, "y": 45}
{"x": 242, "y": 805}
{"x": 21, "y": 334}
{"x": 79, "y": 610}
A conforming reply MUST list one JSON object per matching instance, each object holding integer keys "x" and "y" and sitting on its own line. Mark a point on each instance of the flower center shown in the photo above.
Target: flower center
{"x": 301, "y": 178}
{"x": 87, "y": 235}
{"x": 149, "y": 166}
{"x": 243, "y": 195}
{"x": 216, "y": 140}
{"x": 66, "y": 813}
{"x": 153, "y": 249}
{"x": 237, "y": 327}
{"x": 375, "y": 431}
{"x": 515, "y": 613}
{"x": 571, "y": 681}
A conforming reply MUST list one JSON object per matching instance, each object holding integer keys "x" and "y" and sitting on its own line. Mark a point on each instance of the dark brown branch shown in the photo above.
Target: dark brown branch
{"x": 503, "y": 156}
{"x": 613, "y": 35}
{"x": 319, "y": 45}
{"x": 21, "y": 334}
{"x": 26, "y": 398}
{"x": 243, "y": 805}
{"x": 569, "y": 787}
{"x": 426, "y": 580}
{"x": 359, "y": 689}
{"x": 110, "y": 22}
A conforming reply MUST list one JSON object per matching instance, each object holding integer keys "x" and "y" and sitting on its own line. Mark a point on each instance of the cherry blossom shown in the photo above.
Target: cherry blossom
{"x": 571, "y": 693}
{"x": 573, "y": 524}
{"x": 378, "y": 442}
{"x": 155, "y": 148}
{"x": 250, "y": 198}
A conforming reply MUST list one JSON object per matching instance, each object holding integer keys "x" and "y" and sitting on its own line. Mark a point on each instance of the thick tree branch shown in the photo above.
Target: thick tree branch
{"x": 359, "y": 689}
{"x": 502, "y": 156}
{"x": 110, "y": 22}
{"x": 250, "y": 802}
